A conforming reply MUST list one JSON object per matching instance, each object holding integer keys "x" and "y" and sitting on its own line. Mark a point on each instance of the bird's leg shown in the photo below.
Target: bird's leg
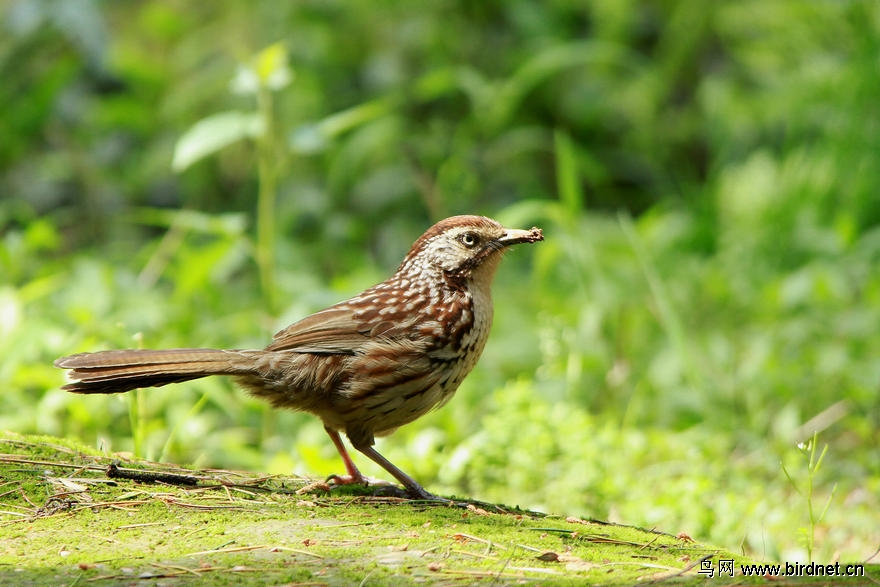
{"x": 354, "y": 475}
{"x": 415, "y": 490}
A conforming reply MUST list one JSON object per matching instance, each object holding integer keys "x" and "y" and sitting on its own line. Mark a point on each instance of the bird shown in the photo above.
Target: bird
{"x": 365, "y": 366}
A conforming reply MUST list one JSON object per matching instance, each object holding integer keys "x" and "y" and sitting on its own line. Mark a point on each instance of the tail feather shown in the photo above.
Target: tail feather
{"x": 124, "y": 370}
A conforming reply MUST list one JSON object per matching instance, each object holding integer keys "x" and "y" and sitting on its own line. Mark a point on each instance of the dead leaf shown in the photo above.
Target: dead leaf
{"x": 479, "y": 511}
{"x": 575, "y": 563}
{"x": 684, "y": 537}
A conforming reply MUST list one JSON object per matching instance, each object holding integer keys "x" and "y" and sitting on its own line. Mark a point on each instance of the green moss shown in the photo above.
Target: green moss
{"x": 63, "y": 522}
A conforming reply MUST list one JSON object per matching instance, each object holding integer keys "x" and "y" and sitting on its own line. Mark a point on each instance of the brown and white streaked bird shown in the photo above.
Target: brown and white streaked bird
{"x": 365, "y": 366}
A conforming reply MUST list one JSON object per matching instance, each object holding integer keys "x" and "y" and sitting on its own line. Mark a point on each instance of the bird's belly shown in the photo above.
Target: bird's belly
{"x": 381, "y": 411}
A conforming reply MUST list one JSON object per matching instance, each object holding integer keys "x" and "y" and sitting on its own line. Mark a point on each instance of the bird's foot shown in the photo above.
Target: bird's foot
{"x": 340, "y": 480}
{"x": 377, "y": 487}
{"x": 426, "y": 496}
{"x": 383, "y": 488}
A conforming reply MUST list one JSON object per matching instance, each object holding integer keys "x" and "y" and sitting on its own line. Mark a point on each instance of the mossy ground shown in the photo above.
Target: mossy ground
{"x": 64, "y": 522}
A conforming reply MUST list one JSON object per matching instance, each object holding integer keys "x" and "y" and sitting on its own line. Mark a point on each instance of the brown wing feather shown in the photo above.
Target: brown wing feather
{"x": 387, "y": 311}
{"x": 331, "y": 331}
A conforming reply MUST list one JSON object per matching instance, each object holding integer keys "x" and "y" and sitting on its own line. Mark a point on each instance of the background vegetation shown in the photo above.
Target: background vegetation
{"x": 707, "y": 298}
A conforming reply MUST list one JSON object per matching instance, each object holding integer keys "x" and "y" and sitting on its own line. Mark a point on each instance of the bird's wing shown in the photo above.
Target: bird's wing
{"x": 343, "y": 329}
{"x": 331, "y": 331}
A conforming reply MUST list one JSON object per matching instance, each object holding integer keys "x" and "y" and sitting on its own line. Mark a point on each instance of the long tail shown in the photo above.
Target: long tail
{"x": 119, "y": 371}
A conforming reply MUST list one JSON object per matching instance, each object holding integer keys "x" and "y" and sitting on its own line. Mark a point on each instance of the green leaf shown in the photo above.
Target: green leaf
{"x": 271, "y": 67}
{"x": 567, "y": 175}
{"x": 267, "y": 69}
{"x": 314, "y": 137}
{"x": 211, "y": 134}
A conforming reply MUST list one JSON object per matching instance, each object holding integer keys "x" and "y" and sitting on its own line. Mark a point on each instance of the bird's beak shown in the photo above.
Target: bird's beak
{"x": 513, "y": 236}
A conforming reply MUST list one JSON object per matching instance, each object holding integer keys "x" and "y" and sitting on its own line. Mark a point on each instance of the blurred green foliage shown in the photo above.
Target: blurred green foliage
{"x": 708, "y": 296}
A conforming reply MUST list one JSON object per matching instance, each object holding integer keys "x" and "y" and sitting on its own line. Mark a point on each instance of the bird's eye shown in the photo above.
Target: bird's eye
{"x": 469, "y": 239}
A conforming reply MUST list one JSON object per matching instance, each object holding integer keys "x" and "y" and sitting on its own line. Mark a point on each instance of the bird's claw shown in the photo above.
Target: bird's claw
{"x": 383, "y": 488}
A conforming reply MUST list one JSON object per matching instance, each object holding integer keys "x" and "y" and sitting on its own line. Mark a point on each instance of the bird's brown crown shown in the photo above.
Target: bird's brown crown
{"x": 460, "y": 244}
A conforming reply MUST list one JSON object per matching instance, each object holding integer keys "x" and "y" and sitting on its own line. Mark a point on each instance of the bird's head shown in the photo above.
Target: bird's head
{"x": 465, "y": 247}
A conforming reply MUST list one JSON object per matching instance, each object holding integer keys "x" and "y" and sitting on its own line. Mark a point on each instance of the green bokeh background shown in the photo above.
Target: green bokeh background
{"x": 707, "y": 176}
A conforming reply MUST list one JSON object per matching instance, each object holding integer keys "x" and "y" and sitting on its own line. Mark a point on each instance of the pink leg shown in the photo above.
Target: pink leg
{"x": 354, "y": 475}
{"x": 415, "y": 490}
